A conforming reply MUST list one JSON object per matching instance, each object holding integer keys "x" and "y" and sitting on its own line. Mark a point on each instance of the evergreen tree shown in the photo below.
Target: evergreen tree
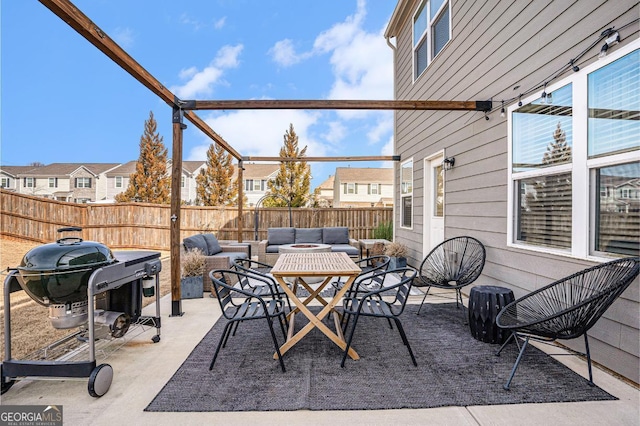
{"x": 293, "y": 180}
{"x": 215, "y": 185}
{"x": 150, "y": 182}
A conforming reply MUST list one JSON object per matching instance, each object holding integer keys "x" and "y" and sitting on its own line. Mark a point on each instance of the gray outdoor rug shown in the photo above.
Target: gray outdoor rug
{"x": 453, "y": 369}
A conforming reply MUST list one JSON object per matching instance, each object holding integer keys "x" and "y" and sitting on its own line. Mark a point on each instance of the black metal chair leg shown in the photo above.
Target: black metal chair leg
{"x": 405, "y": 340}
{"x": 586, "y": 346}
{"x": 423, "y": 299}
{"x": 515, "y": 366}
{"x": 225, "y": 332}
{"x": 511, "y": 336}
{"x": 275, "y": 343}
{"x": 346, "y": 350}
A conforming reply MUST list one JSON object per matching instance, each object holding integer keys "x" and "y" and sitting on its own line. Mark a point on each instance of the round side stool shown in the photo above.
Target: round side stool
{"x": 485, "y": 301}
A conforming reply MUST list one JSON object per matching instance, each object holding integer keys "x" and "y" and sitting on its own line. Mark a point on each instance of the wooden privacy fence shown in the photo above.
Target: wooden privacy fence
{"x": 142, "y": 225}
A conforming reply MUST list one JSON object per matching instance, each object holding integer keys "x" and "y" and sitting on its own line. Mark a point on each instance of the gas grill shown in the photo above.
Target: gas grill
{"x": 90, "y": 288}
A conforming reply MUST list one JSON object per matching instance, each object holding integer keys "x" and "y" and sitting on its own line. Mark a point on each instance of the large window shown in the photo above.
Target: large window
{"x": 575, "y": 162}
{"x": 119, "y": 180}
{"x": 83, "y": 182}
{"x": 53, "y": 182}
{"x": 29, "y": 182}
{"x": 5, "y": 182}
{"x": 406, "y": 194}
{"x": 431, "y": 31}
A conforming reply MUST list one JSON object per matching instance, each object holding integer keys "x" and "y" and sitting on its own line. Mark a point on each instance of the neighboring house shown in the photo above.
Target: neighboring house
{"x": 73, "y": 182}
{"x": 9, "y": 179}
{"x": 118, "y": 179}
{"x": 255, "y": 178}
{"x": 325, "y": 192}
{"x": 525, "y": 57}
{"x": 363, "y": 187}
{"x": 188, "y": 183}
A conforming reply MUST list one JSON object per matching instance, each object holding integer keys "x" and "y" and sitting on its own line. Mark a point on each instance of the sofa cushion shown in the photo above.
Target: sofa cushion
{"x": 232, "y": 255}
{"x": 196, "y": 242}
{"x": 273, "y": 249}
{"x": 335, "y": 235}
{"x": 309, "y": 235}
{"x": 213, "y": 246}
{"x": 349, "y": 249}
{"x": 281, "y": 236}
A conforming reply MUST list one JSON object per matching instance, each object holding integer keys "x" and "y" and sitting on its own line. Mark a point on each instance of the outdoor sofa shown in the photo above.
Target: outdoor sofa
{"x": 217, "y": 256}
{"x": 337, "y": 237}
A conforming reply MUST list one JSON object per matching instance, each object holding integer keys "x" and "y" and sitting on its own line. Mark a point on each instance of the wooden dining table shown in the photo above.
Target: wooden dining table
{"x": 303, "y": 265}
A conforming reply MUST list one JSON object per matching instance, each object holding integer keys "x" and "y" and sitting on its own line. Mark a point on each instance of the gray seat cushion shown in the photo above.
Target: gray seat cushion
{"x": 309, "y": 235}
{"x": 280, "y": 236}
{"x": 232, "y": 255}
{"x": 196, "y": 242}
{"x": 349, "y": 249}
{"x": 335, "y": 235}
{"x": 272, "y": 249}
{"x": 213, "y": 245}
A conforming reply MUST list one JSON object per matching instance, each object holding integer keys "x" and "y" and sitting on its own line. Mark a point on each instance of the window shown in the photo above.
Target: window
{"x": 118, "y": 181}
{"x": 5, "y": 182}
{"x": 406, "y": 194}
{"x": 438, "y": 191}
{"x": 83, "y": 182}
{"x": 588, "y": 127}
{"x": 29, "y": 182}
{"x": 374, "y": 188}
{"x": 183, "y": 181}
{"x": 350, "y": 188}
{"x": 431, "y": 32}
{"x": 53, "y": 182}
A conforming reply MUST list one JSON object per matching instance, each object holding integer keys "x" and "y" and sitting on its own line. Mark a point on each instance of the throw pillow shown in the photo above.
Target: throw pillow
{"x": 196, "y": 242}
{"x": 335, "y": 235}
{"x": 213, "y": 246}
{"x": 309, "y": 235}
{"x": 276, "y": 236}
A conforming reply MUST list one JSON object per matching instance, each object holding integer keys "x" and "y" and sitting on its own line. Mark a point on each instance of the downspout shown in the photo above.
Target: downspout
{"x": 396, "y": 198}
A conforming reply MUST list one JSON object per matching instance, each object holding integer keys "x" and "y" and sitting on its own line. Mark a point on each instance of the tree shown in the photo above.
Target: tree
{"x": 150, "y": 182}
{"x": 293, "y": 180}
{"x": 215, "y": 186}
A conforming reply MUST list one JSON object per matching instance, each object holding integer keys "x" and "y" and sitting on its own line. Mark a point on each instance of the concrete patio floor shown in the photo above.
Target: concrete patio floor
{"x": 141, "y": 368}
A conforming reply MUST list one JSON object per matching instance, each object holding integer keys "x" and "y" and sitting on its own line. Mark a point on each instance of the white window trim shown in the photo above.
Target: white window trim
{"x": 427, "y": 34}
{"x": 580, "y": 169}
{"x": 413, "y": 165}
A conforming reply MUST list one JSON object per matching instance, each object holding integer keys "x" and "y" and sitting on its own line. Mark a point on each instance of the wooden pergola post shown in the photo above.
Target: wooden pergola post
{"x": 174, "y": 237}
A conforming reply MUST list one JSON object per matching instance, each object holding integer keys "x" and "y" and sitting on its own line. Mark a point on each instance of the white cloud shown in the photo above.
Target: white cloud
{"x": 219, "y": 23}
{"x": 187, "y": 20}
{"x": 387, "y": 149}
{"x": 382, "y": 127}
{"x": 283, "y": 53}
{"x": 336, "y": 133}
{"x": 261, "y": 132}
{"x": 200, "y": 83}
{"x": 124, "y": 37}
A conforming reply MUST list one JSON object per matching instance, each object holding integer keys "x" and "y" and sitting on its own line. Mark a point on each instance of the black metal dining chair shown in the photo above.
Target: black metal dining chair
{"x": 258, "y": 287}
{"x": 452, "y": 264}
{"x": 369, "y": 265}
{"x": 566, "y": 308}
{"x": 238, "y": 305}
{"x": 359, "y": 303}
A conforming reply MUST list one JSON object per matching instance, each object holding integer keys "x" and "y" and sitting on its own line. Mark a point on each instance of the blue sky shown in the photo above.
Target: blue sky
{"x": 65, "y": 101}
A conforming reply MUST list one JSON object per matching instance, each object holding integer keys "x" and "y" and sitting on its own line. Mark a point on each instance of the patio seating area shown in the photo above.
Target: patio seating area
{"x": 141, "y": 370}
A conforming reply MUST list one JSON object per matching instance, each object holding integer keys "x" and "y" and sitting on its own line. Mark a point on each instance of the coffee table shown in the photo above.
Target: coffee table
{"x": 315, "y": 264}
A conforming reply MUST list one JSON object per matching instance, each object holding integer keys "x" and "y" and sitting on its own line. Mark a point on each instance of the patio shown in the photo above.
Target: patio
{"x": 142, "y": 368}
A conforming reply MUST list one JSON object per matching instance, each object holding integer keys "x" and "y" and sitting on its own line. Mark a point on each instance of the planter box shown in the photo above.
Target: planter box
{"x": 191, "y": 287}
{"x": 397, "y": 262}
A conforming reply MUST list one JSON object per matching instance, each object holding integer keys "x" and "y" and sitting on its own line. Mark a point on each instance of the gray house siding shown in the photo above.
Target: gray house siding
{"x": 495, "y": 46}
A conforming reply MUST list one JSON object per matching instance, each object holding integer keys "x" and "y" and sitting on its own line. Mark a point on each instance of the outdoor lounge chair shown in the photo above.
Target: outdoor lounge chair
{"x": 567, "y": 308}
{"x": 239, "y": 305}
{"x": 370, "y": 304}
{"x": 452, "y": 264}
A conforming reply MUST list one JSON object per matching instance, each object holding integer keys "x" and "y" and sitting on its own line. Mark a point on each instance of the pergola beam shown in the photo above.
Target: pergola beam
{"x": 325, "y": 159}
{"x": 338, "y": 104}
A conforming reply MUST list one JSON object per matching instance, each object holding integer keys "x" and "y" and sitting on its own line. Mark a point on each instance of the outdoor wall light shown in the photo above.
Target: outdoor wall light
{"x": 448, "y": 163}
{"x": 613, "y": 39}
